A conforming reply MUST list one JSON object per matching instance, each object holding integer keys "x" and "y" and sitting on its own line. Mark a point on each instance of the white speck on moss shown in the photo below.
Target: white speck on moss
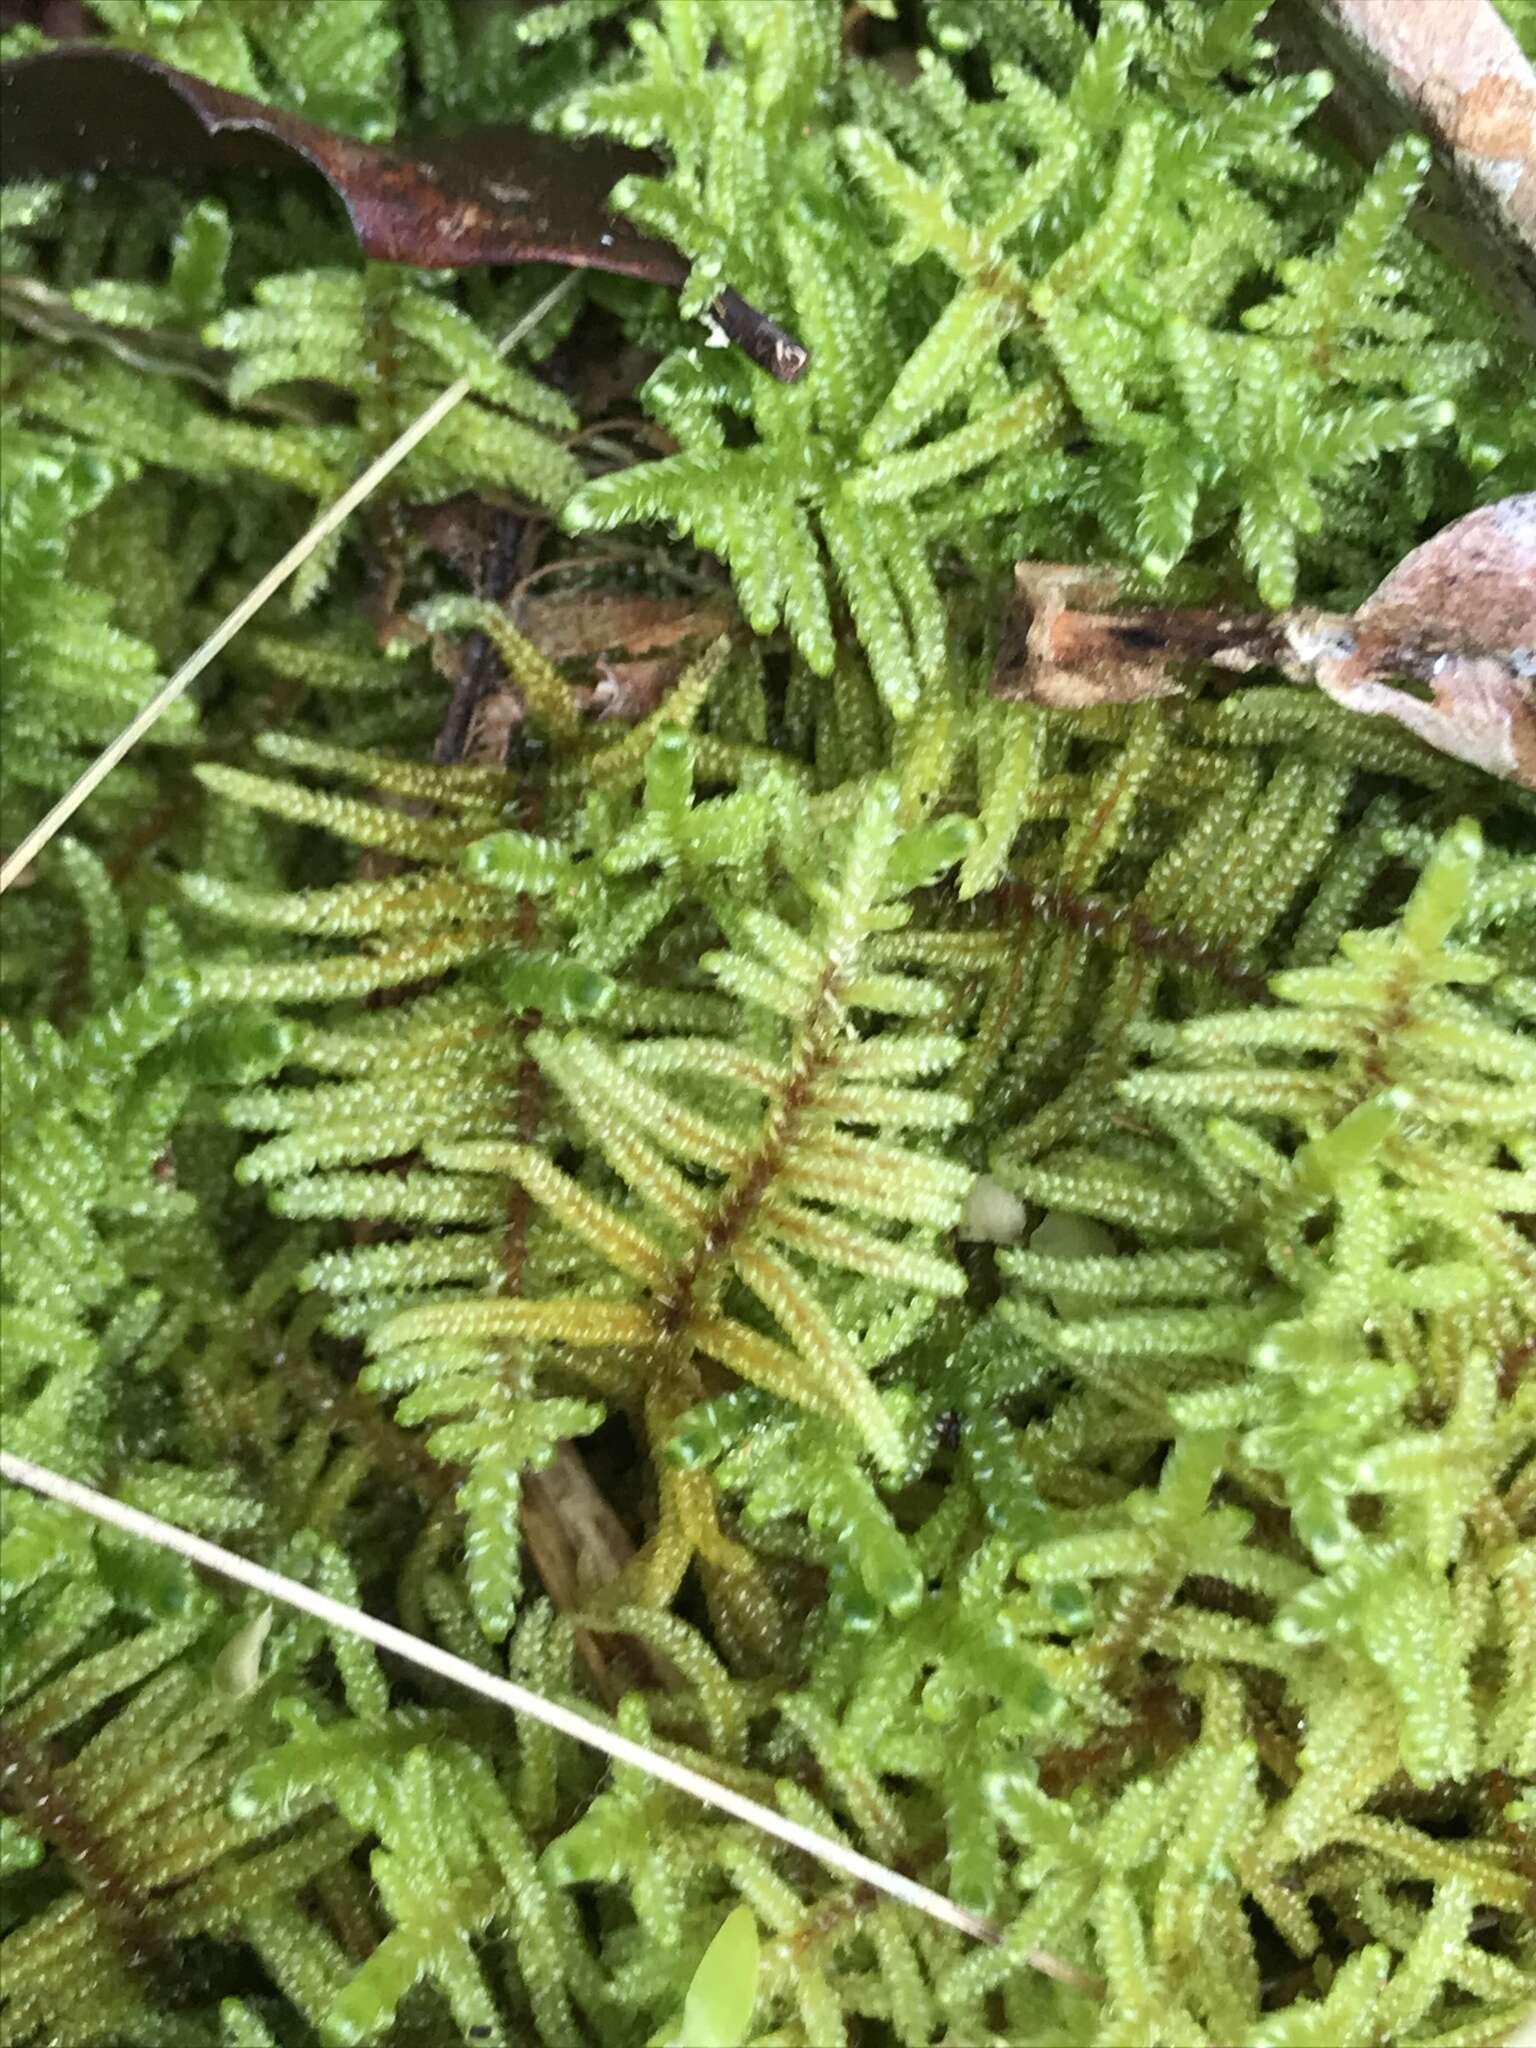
{"x": 992, "y": 1215}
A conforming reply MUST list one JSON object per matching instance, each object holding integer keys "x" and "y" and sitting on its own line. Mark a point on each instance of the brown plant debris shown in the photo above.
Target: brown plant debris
{"x": 490, "y": 196}
{"x": 579, "y": 625}
{"x": 1458, "y": 613}
{"x": 1457, "y": 617}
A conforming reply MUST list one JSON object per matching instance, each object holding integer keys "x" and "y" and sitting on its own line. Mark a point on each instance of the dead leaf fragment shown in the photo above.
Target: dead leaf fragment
{"x": 1469, "y": 589}
{"x": 1458, "y": 613}
{"x": 628, "y": 691}
{"x": 1481, "y": 713}
{"x": 639, "y": 645}
{"x": 579, "y": 625}
{"x": 492, "y": 196}
{"x": 581, "y": 1550}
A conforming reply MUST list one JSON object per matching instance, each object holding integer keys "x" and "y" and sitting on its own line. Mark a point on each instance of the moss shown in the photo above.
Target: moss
{"x": 390, "y": 1139}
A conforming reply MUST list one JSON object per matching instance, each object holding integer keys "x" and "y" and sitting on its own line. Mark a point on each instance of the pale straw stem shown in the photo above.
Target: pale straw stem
{"x": 254, "y": 599}
{"x": 459, "y": 1671}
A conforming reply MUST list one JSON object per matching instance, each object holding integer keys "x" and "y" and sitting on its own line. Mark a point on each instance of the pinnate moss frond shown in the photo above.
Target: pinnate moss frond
{"x": 1178, "y": 412}
{"x": 748, "y": 1150}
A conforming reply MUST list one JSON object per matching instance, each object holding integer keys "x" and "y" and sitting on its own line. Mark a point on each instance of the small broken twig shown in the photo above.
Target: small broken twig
{"x": 1457, "y": 615}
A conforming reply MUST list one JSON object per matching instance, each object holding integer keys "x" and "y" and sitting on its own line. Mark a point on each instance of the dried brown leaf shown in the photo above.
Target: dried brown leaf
{"x": 579, "y": 625}
{"x": 492, "y": 196}
{"x": 628, "y": 691}
{"x": 581, "y": 1550}
{"x": 1458, "y": 613}
{"x": 1470, "y": 589}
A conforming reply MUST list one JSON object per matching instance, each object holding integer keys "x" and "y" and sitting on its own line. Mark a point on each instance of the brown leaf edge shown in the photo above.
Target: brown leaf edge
{"x": 1457, "y": 614}
{"x": 492, "y": 195}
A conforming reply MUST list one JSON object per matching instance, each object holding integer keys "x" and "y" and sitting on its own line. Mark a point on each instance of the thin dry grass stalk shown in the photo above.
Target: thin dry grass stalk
{"x": 426, "y": 1656}
{"x": 356, "y": 494}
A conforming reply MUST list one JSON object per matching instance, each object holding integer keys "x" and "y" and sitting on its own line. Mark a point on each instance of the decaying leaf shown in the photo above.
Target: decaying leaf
{"x": 59, "y": 20}
{"x": 627, "y": 691}
{"x": 492, "y": 196}
{"x": 580, "y": 1550}
{"x": 582, "y": 624}
{"x": 1471, "y": 589}
{"x": 638, "y": 645}
{"x": 1457, "y": 615}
